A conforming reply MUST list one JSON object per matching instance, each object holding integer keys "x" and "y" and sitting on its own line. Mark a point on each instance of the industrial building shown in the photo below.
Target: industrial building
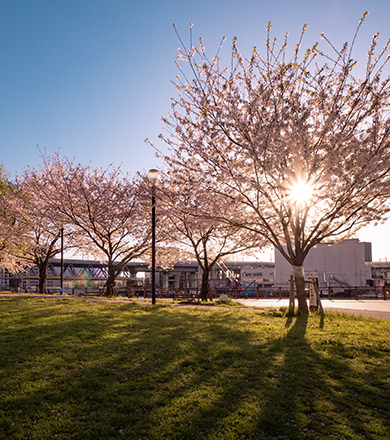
{"x": 345, "y": 263}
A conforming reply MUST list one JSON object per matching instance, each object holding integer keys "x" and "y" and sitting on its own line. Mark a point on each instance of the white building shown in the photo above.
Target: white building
{"x": 334, "y": 264}
{"x": 262, "y": 273}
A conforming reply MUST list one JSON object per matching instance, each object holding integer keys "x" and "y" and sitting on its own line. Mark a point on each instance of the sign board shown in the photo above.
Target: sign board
{"x": 312, "y": 295}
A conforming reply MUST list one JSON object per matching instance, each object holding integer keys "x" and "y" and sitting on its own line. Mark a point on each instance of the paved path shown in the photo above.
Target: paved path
{"x": 375, "y": 308}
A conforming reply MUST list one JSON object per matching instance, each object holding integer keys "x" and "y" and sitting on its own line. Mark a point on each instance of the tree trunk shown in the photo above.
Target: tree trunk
{"x": 300, "y": 285}
{"x": 110, "y": 287}
{"x": 42, "y": 266}
{"x": 110, "y": 283}
{"x": 204, "y": 291}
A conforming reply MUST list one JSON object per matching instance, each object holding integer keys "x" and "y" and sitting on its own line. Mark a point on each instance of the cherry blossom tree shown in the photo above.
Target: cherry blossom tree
{"x": 192, "y": 224}
{"x": 42, "y": 245}
{"x": 12, "y": 226}
{"x": 299, "y": 140}
{"x": 108, "y": 210}
{"x": 42, "y": 227}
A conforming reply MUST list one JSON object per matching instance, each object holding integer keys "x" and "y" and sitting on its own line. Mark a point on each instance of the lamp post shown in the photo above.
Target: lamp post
{"x": 62, "y": 261}
{"x": 153, "y": 177}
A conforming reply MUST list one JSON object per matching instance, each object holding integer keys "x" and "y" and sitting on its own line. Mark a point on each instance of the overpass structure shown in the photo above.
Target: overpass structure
{"x": 77, "y": 274}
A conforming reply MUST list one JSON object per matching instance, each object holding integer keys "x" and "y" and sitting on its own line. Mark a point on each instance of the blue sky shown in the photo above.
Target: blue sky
{"x": 92, "y": 77}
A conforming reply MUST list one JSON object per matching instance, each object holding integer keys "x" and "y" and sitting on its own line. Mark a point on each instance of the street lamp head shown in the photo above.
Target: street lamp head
{"x": 153, "y": 176}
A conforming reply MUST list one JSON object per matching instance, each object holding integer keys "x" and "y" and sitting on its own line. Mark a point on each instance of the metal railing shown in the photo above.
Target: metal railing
{"x": 356, "y": 292}
{"x": 333, "y": 292}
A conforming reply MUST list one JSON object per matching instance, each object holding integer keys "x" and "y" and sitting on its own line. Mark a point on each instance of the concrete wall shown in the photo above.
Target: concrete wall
{"x": 342, "y": 263}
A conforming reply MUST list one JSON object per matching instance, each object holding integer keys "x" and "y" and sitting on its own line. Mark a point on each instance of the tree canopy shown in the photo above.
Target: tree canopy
{"x": 295, "y": 138}
{"x": 104, "y": 208}
{"x": 193, "y": 225}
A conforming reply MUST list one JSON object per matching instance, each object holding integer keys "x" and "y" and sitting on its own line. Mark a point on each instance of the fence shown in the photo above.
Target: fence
{"x": 258, "y": 293}
{"x": 334, "y": 292}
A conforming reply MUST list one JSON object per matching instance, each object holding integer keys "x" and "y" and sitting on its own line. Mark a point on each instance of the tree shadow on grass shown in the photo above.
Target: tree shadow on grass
{"x": 136, "y": 372}
{"x": 89, "y": 376}
{"x": 318, "y": 394}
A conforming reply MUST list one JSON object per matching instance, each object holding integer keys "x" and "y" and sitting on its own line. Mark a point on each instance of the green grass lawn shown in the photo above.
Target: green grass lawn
{"x": 71, "y": 369}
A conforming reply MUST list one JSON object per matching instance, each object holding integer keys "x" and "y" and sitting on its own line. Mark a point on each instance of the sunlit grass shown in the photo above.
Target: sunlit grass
{"x": 72, "y": 369}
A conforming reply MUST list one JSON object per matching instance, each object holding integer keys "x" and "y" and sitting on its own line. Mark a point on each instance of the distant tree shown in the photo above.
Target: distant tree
{"x": 300, "y": 142}
{"x": 42, "y": 226}
{"x": 42, "y": 244}
{"x": 109, "y": 211}
{"x": 12, "y": 226}
{"x": 192, "y": 225}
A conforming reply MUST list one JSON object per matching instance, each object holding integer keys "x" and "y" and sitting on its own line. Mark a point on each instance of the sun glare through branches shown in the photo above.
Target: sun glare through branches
{"x": 301, "y": 192}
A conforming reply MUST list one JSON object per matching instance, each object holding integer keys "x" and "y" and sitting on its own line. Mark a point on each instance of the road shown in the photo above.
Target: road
{"x": 370, "y": 308}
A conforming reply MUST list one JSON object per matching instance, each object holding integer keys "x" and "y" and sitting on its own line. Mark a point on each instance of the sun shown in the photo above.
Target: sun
{"x": 301, "y": 192}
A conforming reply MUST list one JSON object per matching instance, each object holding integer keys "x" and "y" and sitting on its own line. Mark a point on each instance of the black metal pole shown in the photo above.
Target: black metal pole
{"x": 62, "y": 261}
{"x": 153, "y": 245}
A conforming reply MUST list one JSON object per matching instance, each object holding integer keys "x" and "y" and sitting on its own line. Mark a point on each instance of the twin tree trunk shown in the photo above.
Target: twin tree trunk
{"x": 300, "y": 286}
{"x": 113, "y": 271}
